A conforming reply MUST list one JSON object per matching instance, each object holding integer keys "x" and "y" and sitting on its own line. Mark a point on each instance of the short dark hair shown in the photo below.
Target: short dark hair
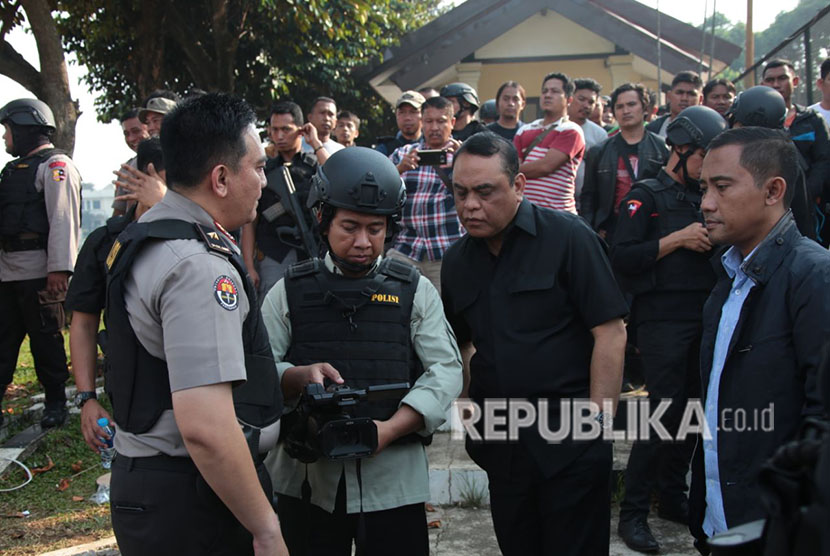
{"x": 202, "y": 132}
{"x": 715, "y": 82}
{"x": 288, "y": 107}
{"x": 441, "y": 103}
{"x": 777, "y": 63}
{"x": 825, "y": 68}
{"x": 587, "y": 83}
{"x": 318, "y": 100}
{"x": 128, "y": 115}
{"x": 423, "y": 90}
{"x": 507, "y": 84}
{"x": 567, "y": 84}
{"x": 638, "y": 88}
{"x": 765, "y": 153}
{"x": 149, "y": 152}
{"x": 487, "y": 143}
{"x": 348, "y": 115}
{"x": 162, "y": 93}
{"x": 687, "y": 77}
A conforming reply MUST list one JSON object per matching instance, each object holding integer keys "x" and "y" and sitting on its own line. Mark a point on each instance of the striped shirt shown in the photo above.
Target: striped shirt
{"x": 429, "y": 224}
{"x": 556, "y": 190}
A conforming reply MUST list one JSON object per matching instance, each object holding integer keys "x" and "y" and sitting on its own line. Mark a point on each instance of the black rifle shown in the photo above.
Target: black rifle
{"x": 301, "y": 235}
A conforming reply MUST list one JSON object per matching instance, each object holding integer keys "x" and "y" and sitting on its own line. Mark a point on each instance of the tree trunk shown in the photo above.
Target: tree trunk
{"x": 54, "y": 81}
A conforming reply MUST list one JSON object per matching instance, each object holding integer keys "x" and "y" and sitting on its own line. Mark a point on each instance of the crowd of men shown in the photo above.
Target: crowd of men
{"x": 481, "y": 257}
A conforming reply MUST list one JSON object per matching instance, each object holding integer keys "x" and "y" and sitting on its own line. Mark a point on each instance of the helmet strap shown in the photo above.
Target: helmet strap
{"x": 681, "y": 166}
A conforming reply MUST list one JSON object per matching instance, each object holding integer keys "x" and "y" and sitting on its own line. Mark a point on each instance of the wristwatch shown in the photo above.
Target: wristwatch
{"x": 604, "y": 419}
{"x": 82, "y": 397}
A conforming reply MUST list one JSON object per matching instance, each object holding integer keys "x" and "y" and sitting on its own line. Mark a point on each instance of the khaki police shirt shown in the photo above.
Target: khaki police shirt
{"x": 186, "y": 305}
{"x": 60, "y": 181}
{"x": 399, "y": 475}
{"x": 123, "y": 205}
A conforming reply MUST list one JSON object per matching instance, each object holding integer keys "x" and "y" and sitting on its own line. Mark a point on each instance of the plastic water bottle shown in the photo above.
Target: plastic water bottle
{"x": 108, "y": 453}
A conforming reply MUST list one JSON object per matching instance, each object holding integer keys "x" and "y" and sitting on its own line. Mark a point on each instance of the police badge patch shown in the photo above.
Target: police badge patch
{"x": 226, "y": 293}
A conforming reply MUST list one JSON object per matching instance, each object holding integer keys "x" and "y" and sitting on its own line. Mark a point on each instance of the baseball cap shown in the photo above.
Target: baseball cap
{"x": 159, "y": 104}
{"x": 413, "y": 98}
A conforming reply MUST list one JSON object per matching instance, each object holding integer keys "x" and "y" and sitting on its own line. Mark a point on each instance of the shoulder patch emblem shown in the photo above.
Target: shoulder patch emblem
{"x": 58, "y": 174}
{"x": 57, "y": 164}
{"x": 632, "y": 207}
{"x": 226, "y": 292}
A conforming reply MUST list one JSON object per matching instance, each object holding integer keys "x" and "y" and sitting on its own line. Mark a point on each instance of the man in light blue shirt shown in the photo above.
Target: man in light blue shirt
{"x": 765, "y": 325}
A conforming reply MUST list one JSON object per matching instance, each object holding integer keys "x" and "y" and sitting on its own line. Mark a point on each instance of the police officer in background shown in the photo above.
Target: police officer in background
{"x": 189, "y": 373}
{"x": 40, "y": 225}
{"x": 465, "y": 104}
{"x": 358, "y": 319}
{"x": 763, "y": 106}
{"x": 661, "y": 254}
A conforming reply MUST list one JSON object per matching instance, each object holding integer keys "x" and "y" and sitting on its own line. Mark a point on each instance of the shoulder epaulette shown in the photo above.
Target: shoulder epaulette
{"x": 398, "y": 269}
{"x": 304, "y": 268}
{"x": 213, "y": 240}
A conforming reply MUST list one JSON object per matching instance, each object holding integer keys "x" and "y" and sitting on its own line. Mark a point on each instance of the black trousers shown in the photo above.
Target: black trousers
{"x": 670, "y": 352}
{"x": 25, "y": 308}
{"x": 311, "y": 531}
{"x": 568, "y": 514}
{"x": 162, "y": 505}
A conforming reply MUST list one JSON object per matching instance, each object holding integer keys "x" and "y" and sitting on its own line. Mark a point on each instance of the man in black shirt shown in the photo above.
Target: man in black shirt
{"x": 86, "y": 298}
{"x": 465, "y": 104}
{"x": 531, "y": 293}
{"x": 661, "y": 255}
{"x": 510, "y": 101}
{"x": 266, "y": 255}
{"x": 612, "y": 166}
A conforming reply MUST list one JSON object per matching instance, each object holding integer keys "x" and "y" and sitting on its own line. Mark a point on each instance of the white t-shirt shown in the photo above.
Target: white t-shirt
{"x": 331, "y": 146}
{"x": 825, "y": 113}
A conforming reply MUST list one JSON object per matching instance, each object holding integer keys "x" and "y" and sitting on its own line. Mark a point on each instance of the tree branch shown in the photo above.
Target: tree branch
{"x": 16, "y": 68}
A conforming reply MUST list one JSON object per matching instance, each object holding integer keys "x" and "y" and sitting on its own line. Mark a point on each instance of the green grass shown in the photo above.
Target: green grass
{"x": 55, "y": 520}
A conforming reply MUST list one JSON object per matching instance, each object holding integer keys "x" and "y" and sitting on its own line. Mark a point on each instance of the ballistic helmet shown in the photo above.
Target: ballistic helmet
{"x": 488, "y": 110}
{"x": 359, "y": 179}
{"x": 27, "y": 112}
{"x": 759, "y": 106}
{"x": 463, "y": 92}
{"x": 695, "y": 126}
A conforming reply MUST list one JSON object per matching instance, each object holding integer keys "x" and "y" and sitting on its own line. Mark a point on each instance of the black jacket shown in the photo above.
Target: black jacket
{"x": 773, "y": 358}
{"x": 655, "y": 124}
{"x": 598, "y": 191}
{"x": 810, "y": 134}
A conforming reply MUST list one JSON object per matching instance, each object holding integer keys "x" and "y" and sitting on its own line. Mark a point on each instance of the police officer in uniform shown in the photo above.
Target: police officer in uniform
{"x": 193, "y": 386}
{"x": 661, "y": 254}
{"x": 358, "y": 319}
{"x": 465, "y": 102}
{"x": 40, "y": 221}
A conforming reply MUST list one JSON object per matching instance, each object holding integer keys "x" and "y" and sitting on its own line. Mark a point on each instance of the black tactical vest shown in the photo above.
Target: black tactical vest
{"x": 22, "y": 207}
{"x": 677, "y": 206}
{"x": 273, "y": 212}
{"x": 138, "y": 383}
{"x": 358, "y": 325}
